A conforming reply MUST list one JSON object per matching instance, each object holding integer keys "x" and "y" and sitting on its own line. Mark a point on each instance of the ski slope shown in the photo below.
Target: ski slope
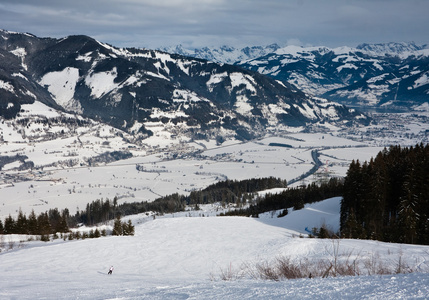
{"x": 183, "y": 256}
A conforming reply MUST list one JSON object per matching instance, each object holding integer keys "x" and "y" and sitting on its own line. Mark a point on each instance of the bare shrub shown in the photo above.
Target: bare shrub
{"x": 229, "y": 274}
{"x": 267, "y": 271}
{"x": 374, "y": 266}
{"x": 339, "y": 264}
{"x": 288, "y": 270}
{"x": 402, "y": 267}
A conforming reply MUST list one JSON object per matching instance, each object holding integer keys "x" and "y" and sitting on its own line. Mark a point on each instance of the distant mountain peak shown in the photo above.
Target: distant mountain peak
{"x": 390, "y": 48}
{"x": 223, "y": 54}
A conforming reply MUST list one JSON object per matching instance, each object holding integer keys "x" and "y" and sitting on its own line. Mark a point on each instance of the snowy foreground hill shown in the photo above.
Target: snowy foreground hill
{"x": 187, "y": 256}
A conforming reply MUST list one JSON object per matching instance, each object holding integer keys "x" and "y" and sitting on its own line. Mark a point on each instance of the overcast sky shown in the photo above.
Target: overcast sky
{"x": 196, "y": 23}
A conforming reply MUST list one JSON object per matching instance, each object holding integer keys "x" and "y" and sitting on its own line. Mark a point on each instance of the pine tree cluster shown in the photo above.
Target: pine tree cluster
{"x": 96, "y": 212}
{"x": 387, "y": 198}
{"x": 233, "y": 191}
{"x": 123, "y": 228}
{"x": 45, "y": 223}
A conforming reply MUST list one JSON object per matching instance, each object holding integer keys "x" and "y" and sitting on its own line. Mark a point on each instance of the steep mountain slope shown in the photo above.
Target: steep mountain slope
{"x": 137, "y": 89}
{"x": 392, "y": 75}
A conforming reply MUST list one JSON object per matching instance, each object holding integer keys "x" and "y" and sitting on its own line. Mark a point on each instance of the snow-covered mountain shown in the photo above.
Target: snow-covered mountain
{"x": 224, "y": 54}
{"x": 391, "y": 75}
{"x": 402, "y": 49}
{"x": 138, "y": 89}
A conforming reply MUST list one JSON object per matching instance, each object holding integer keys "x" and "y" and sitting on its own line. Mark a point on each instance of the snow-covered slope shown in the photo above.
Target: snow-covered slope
{"x": 185, "y": 256}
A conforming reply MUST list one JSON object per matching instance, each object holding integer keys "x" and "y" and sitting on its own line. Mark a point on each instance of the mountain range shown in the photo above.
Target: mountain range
{"x": 139, "y": 89}
{"x": 390, "y": 75}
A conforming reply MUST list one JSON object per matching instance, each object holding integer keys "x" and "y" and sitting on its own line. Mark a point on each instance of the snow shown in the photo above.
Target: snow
{"x": 311, "y": 216}
{"x": 86, "y": 57}
{"x": 238, "y": 79}
{"x": 377, "y": 78}
{"x": 346, "y": 66}
{"x": 21, "y": 53}
{"x": 423, "y": 107}
{"x": 157, "y": 75}
{"x": 367, "y": 97}
{"x": 276, "y": 109}
{"x": 242, "y": 105}
{"x": 215, "y": 79}
{"x": 102, "y": 83}
{"x": 422, "y": 80}
{"x": 186, "y": 96}
{"x": 184, "y": 256}
{"x": 158, "y": 113}
{"x": 62, "y": 85}
{"x": 307, "y": 111}
{"x": 6, "y": 86}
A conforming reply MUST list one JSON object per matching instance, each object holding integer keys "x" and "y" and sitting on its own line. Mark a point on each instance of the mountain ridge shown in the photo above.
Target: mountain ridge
{"x": 351, "y": 76}
{"x": 140, "y": 89}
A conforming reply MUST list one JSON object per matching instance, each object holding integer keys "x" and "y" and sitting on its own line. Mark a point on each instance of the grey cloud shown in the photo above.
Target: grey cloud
{"x": 154, "y": 23}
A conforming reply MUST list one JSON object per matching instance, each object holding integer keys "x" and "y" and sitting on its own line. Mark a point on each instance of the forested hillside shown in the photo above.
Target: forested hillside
{"x": 388, "y": 198}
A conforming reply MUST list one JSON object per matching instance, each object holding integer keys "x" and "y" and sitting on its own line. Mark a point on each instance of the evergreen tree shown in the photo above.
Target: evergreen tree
{"x": 33, "y": 227}
{"x": 1, "y": 227}
{"x": 117, "y": 226}
{"x": 129, "y": 228}
{"x": 9, "y": 225}
{"x": 43, "y": 224}
{"x": 351, "y": 196}
{"x": 21, "y": 226}
{"x": 62, "y": 224}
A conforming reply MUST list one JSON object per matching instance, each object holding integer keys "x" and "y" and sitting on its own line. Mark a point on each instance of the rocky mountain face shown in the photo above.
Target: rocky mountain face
{"x": 392, "y": 75}
{"x": 137, "y": 90}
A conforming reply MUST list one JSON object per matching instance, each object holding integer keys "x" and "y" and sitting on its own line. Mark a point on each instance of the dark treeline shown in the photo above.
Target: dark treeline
{"x": 229, "y": 191}
{"x": 45, "y": 223}
{"x": 58, "y": 120}
{"x": 293, "y": 197}
{"x": 388, "y": 198}
{"x": 233, "y": 191}
{"x": 167, "y": 204}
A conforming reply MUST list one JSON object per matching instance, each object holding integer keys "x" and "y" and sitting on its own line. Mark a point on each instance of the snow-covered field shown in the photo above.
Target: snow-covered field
{"x": 185, "y": 256}
{"x": 74, "y": 187}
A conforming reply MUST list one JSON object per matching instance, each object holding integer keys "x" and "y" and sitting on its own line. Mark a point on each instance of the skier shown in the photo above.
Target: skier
{"x": 110, "y": 270}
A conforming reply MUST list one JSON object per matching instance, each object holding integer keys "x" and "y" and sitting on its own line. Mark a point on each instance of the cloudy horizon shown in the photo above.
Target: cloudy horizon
{"x": 193, "y": 24}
